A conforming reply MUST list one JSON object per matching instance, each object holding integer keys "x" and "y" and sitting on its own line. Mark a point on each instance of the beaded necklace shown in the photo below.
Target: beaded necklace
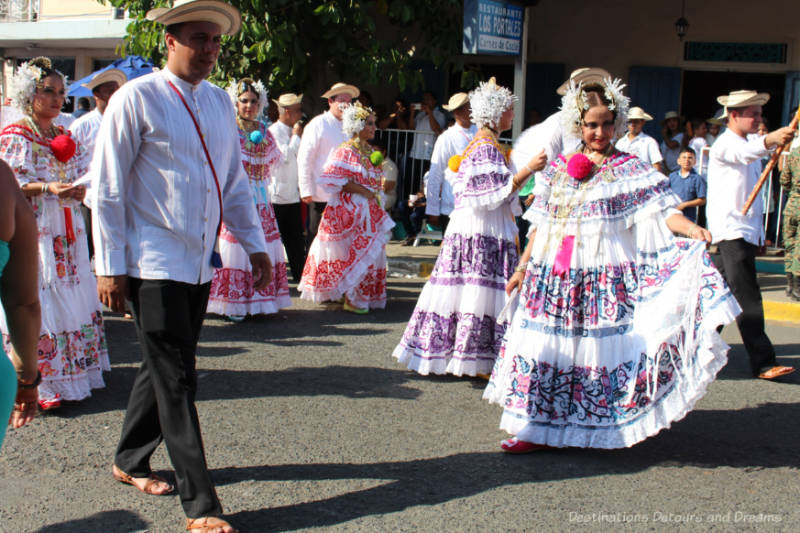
{"x": 53, "y": 132}
{"x": 246, "y": 125}
{"x": 567, "y": 199}
{"x": 364, "y": 152}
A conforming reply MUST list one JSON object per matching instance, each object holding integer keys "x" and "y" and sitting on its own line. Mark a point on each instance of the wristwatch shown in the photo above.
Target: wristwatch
{"x": 33, "y": 384}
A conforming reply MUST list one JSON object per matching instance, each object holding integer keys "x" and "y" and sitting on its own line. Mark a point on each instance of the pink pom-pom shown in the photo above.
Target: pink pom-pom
{"x": 579, "y": 166}
{"x": 63, "y": 147}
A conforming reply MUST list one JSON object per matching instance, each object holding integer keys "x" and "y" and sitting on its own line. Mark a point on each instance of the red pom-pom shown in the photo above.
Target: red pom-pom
{"x": 63, "y": 147}
{"x": 579, "y": 166}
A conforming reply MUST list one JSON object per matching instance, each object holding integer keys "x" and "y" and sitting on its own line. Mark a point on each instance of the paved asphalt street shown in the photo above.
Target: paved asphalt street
{"x": 310, "y": 425}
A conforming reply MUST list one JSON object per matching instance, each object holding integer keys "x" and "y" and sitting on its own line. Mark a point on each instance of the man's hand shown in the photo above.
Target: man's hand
{"x": 262, "y": 270}
{"x": 433, "y": 220}
{"x": 79, "y": 193}
{"x": 779, "y": 137}
{"x": 307, "y": 200}
{"x": 113, "y": 291}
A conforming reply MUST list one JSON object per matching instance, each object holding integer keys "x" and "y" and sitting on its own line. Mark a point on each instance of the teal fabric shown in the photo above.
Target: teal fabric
{"x": 4, "y": 255}
{"x": 8, "y": 376}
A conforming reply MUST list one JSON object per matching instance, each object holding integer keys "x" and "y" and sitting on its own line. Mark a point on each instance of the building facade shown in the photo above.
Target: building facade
{"x": 80, "y": 36}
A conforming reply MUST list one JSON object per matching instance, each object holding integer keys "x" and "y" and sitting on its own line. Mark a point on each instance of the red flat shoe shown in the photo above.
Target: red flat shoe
{"x": 775, "y": 372}
{"x": 48, "y": 405}
{"x": 514, "y": 445}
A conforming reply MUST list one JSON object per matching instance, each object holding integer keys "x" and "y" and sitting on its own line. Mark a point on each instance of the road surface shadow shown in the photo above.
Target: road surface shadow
{"x": 223, "y": 384}
{"x": 751, "y": 439}
{"x": 738, "y": 367}
{"x": 106, "y": 522}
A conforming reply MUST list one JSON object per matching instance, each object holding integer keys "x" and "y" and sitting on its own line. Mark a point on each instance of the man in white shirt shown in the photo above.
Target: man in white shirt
{"x": 429, "y": 122}
{"x": 639, "y": 143}
{"x": 322, "y": 135}
{"x": 103, "y": 85}
{"x": 284, "y": 189}
{"x": 453, "y": 141}
{"x": 733, "y": 170}
{"x": 84, "y": 129}
{"x": 159, "y": 199}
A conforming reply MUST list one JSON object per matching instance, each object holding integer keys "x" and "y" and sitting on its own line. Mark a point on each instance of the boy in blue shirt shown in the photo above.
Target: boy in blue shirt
{"x": 688, "y": 184}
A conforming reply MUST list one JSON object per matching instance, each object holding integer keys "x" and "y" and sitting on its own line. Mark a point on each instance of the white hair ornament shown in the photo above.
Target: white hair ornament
{"x": 354, "y": 118}
{"x": 235, "y": 91}
{"x": 575, "y": 102}
{"x": 24, "y": 82}
{"x": 488, "y": 102}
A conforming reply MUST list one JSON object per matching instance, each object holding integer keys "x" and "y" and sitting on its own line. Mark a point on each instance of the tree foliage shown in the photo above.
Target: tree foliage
{"x": 302, "y": 45}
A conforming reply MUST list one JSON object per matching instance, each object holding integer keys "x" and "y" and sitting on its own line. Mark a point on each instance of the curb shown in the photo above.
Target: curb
{"x": 782, "y": 311}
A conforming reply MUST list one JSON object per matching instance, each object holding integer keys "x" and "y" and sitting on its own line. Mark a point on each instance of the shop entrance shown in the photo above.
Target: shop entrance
{"x": 701, "y": 88}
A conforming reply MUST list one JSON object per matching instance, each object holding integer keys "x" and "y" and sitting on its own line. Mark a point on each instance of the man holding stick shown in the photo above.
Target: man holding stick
{"x": 733, "y": 170}
{"x": 167, "y": 168}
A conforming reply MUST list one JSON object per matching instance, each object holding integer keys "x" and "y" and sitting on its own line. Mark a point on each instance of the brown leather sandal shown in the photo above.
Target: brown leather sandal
{"x": 776, "y": 372}
{"x": 206, "y": 524}
{"x": 149, "y": 485}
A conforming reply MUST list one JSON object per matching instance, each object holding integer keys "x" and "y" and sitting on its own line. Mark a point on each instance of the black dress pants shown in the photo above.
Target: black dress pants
{"x": 290, "y": 225}
{"x": 314, "y": 216}
{"x": 168, "y": 316}
{"x": 736, "y": 261}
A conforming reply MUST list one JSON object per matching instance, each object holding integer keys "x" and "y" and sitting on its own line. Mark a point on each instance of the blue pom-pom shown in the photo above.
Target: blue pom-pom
{"x": 256, "y": 137}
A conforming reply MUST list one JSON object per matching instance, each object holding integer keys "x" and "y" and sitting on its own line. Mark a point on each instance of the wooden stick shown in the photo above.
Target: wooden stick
{"x": 768, "y": 169}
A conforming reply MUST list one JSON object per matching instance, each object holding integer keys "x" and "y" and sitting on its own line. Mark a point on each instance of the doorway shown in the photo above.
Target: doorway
{"x": 701, "y": 89}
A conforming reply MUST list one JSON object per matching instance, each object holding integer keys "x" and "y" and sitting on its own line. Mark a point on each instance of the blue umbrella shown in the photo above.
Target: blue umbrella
{"x": 132, "y": 66}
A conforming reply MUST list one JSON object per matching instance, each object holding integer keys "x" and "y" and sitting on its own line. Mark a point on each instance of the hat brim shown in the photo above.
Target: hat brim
{"x": 297, "y": 100}
{"x": 589, "y": 76}
{"x": 644, "y": 117}
{"x": 352, "y": 90}
{"x": 454, "y": 107}
{"x": 756, "y": 99}
{"x": 106, "y": 76}
{"x": 224, "y": 15}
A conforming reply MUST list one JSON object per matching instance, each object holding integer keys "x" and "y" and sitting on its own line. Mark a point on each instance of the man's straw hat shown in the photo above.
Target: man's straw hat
{"x": 112, "y": 74}
{"x": 342, "y": 88}
{"x": 220, "y": 13}
{"x": 587, "y": 75}
{"x": 637, "y": 113}
{"x": 288, "y": 99}
{"x": 736, "y": 99}
{"x": 456, "y": 101}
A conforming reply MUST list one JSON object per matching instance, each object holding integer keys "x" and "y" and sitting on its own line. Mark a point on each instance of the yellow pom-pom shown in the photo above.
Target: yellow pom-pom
{"x": 454, "y": 163}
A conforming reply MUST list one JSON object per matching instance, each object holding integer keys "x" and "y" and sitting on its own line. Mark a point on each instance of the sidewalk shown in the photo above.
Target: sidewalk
{"x": 417, "y": 261}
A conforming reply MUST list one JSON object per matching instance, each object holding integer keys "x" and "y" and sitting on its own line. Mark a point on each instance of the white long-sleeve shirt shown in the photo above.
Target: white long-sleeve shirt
{"x": 284, "y": 188}
{"x": 321, "y": 136}
{"x": 547, "y": 136}
{"x": 155, "y": 201}
{"x": 424, "y": 136}
{"x": 85, "y": 128}
{"x": 734, "y": 165}
{"x": 438, "y": 191}
{"x": 642, "y": 146}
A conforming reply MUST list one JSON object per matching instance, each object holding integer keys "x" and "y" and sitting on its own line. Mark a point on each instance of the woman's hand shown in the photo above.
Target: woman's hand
{"x": 24, "y": 407}
{"x": 700, "y": 233}
{"x": 537, "y": 162}
{"x": 515, "y": 282}
{"x": 62, "y": 190}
